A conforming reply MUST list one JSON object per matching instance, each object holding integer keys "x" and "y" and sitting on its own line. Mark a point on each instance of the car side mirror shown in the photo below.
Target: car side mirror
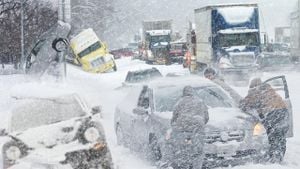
{"x": 140, "y": 111}
{"x": 3, "y": 132}
{"x": 96, "y": 110}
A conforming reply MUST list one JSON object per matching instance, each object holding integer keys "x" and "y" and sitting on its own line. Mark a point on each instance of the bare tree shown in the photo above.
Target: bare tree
{"x": 95, "y": 14}
{"x": 39, "y": 16}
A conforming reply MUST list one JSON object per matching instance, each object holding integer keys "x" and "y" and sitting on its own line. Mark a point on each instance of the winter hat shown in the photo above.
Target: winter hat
{"x": 209, "y": 70}
{"x": 255, "y": 82}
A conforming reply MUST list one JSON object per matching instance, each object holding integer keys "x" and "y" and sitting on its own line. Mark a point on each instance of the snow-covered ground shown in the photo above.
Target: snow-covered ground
{"x": 99, "y": 89}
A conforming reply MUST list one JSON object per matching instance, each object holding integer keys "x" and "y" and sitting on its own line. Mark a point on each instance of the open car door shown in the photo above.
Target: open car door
{"x": 279, "y": 83}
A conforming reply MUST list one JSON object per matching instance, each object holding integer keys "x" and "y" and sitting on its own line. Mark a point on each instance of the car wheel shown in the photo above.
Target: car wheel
{"x": 155, "y": 151}
{"x": 120, "y": 135}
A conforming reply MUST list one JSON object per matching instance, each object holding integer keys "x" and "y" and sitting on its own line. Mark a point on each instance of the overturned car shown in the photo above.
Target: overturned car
{"x": 54, "y": 132}
{"x": 232, "y": 137}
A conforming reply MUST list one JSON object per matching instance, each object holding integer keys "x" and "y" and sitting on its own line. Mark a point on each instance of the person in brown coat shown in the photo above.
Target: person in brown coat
{"x": 273, "y": 113}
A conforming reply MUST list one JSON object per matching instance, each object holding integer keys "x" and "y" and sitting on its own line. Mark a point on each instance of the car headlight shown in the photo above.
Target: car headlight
{"x": 91, "y": 134}
{"x": 259, "y": 130}
{"x": 13, "y": 153}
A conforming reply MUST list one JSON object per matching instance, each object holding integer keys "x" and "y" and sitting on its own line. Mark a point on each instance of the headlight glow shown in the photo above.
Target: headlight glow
{"x": 91, "y": 134}
{"x": 259, "y": 130}
{"x": 13, "y": 153}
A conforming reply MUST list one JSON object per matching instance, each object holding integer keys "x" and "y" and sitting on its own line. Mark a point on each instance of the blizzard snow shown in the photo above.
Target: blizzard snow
{"x": 230, "y": 14}
{"x": 99, "y": 89}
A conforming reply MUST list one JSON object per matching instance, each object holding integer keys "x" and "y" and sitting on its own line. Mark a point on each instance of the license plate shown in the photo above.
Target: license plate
{"x": 226, "y": 151}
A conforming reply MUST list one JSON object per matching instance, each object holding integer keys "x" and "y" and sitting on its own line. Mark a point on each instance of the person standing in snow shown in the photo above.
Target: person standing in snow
{"x": 273, "y": 113}
{"x": 211, "y": 74}
{"x": 189, "y": 118}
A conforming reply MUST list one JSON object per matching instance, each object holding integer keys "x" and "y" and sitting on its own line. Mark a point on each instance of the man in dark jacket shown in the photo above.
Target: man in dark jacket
{"x": 187, "y": 138}
{"x": 273, "y": 112}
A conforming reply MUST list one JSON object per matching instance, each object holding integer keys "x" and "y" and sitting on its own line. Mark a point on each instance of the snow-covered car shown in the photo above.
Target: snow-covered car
{"x": 142, "y": 122}
{"x": 139, "y": 76}
{"x": 54, "y": 132}
{"x": 42, "y": 56}
{"x": 276, "y": 61}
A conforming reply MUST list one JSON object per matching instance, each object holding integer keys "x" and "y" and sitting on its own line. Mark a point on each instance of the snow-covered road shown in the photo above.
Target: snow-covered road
{"x": 99, "y": 89}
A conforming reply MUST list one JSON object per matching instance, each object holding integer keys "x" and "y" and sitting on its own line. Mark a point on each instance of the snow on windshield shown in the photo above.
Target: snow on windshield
{"x": 236, "y": 15}
{"x": 29, "y": 113}
{"x": 213, "y": 97}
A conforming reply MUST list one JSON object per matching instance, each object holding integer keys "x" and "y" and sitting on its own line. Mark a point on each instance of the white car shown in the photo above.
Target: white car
{"x": 53, "y": 132}
{"x": 142, "y": 122}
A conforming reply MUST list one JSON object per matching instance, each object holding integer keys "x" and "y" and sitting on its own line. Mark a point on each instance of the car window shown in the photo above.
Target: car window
{"x": 144, "y": 75}
{"x": 214, "y": 97}
{"x": 167, "y": 97}
{"x": 144, "y": 99}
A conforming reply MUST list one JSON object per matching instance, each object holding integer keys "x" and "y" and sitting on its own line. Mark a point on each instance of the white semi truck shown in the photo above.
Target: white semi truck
{"x": 228, "y": 39}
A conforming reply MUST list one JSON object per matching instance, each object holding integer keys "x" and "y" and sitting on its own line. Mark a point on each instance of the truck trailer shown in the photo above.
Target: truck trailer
{"x": 295, "y": 35}
{"x": 156, "y": 41}
{"x": 228, "y": 39}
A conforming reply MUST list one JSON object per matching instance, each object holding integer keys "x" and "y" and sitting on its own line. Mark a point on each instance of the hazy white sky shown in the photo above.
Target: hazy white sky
{"x": 130, "y": 13}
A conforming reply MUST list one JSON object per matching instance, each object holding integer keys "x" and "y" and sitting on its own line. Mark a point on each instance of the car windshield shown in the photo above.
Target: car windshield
{"x": 166, "y": 97}
{"x": 139, "y": 76}
{"x": 90, "y": 49}
{"x": 162, "y": 38}
{"x": 38, "y": 46}
{"x": 242, "y": 39}
{"x": 30, "y": 113}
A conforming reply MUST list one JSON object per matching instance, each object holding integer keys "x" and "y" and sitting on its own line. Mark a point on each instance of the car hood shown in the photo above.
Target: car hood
{"x": 49, "y": 136}
{"x": 220, "y": 119}
{"x": 228, "y": 119}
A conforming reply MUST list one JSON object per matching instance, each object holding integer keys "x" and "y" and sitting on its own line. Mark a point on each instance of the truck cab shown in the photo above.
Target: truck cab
{"x": 159, "y": 44}
{"x": 91, "y": 53}
{"x": 156, "y": 41}
{"x": 228, "y": 38}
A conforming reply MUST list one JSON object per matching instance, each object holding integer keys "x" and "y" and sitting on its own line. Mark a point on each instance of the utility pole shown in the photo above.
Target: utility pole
{"x": 61, "y": 45}
{"x": 64, "y": 10}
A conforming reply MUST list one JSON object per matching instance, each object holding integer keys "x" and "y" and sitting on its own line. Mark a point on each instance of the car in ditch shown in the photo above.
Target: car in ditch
{"x": 53, "y": 132}
{"x": 232, "y": 137}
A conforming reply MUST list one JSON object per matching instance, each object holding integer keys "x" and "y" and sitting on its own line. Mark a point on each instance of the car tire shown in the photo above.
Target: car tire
{"x": 115, "y": 67}
{"x": 155, "y": 151}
